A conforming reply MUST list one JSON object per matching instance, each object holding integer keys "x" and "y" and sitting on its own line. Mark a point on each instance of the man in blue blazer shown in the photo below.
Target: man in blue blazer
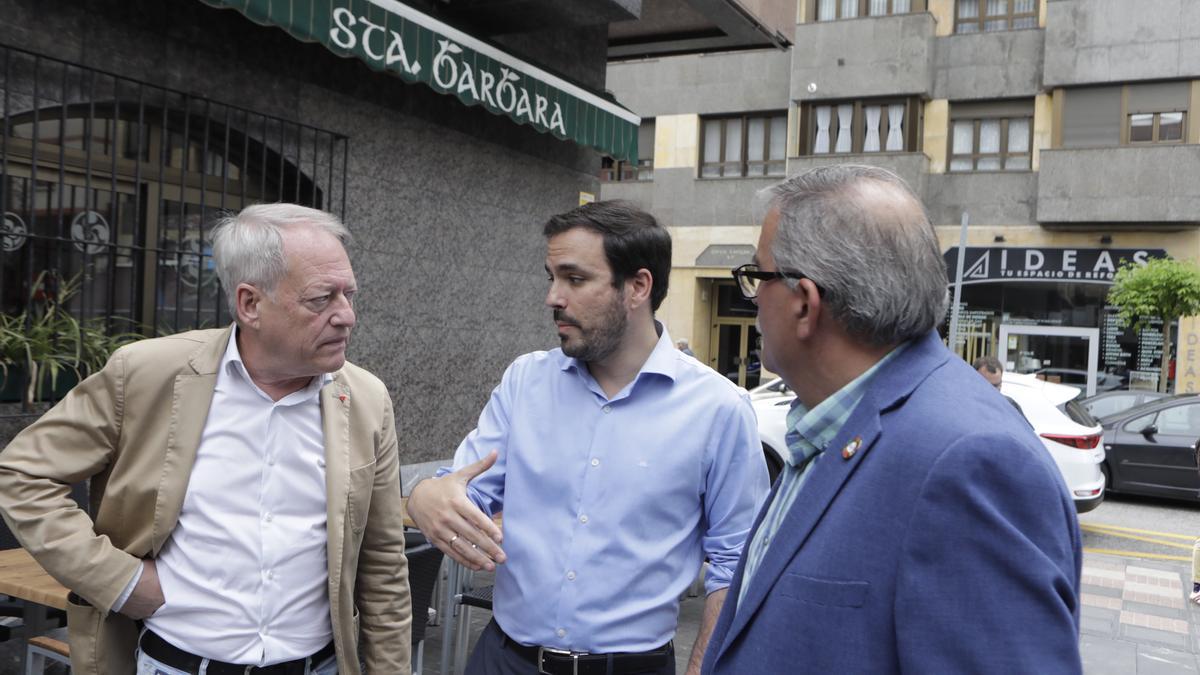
{"x": 919, "y": 526}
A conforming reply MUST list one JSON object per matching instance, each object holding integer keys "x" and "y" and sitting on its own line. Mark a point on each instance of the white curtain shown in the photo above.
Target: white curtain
{"x": 821, "y": 142}
{"x": 712, "y": 148}
{"x": 968, "y": 9}
{"x": 871, "y": 140}
{"x": 962, "y": 145}
{"x": 845, "y": 116}
{"x": 1018, "y": 145}
{"x": 849, "y": 9}
{"x": 878, "y": 8}
{"x": 895, "y": 137}
{"x": 997, "y": 7}
{"x": 989, "y": 144}
{"x": 827, "y": 10}
{"x": 901, "y": 6}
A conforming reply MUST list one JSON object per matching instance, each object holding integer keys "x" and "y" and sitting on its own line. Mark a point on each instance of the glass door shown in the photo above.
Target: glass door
{"x": 735, "y": 336}
{"x": 1053, "y": 353}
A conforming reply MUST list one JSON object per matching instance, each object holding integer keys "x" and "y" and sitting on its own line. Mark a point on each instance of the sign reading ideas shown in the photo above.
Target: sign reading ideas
{"x": 985, "y": 264}
{"x": 392, "y": 37}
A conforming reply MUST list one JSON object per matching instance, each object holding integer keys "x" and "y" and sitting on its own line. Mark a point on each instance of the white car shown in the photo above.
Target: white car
{"x": 1070, "y": 434}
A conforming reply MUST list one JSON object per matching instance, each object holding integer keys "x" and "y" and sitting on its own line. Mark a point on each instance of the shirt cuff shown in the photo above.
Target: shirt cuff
{"x": 124, "y": 596}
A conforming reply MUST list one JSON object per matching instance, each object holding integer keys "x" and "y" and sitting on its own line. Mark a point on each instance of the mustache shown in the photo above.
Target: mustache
{"x": 562, "y": 317}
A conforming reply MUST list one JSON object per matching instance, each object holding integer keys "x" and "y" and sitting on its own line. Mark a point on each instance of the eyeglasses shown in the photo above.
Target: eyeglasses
{"x": 749, "y": 278}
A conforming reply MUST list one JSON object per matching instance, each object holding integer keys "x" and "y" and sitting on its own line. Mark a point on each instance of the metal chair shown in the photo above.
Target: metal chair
{"x": 44, "y": 648}
{"x": 470, "y": 597}
{"x": 424, "y": 567}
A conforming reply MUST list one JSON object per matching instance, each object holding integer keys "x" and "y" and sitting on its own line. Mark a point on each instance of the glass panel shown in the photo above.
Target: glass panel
{"x": 989, "y": 137}
{"x": 1170, "y": 126}
{"x": 1181, "y": 420}
{"x": 712, "y": 148}
{"x": 821, "y": 142}
{"x": 988, "y": 164}
{"x": 964, "y": 137}
{"x": 968, "y": 9}
{"x": 1024, "y": 22}
{"x": 1018, "y": 136}
{"x": 878, "y": 8}
{"x": 901, "y": 6}
{"x": 827, "y": 10}
{"x": 997, "y": 8}
{"x": 756, "y": 129}
{"x": 1141, "y": 128}
{"x": 1024, "y": 6}
{"x": 895, "y": 137}
{"x": 1019, "y": 163}
{"x": 969, "y": 27}
{"x": 729, "y": 340}
{"x": 961, "y": 164}
{"x": 849, "y": 9}
{"x": 1140, "y": 423}
{"x": 995, "y": 25}
{"x": 778, "y": 149}
{"x": 187, "y": 278}
{"x": 733, "y": 141}
{"x": 871, "y": 137}
{"x": 845, "y": 116}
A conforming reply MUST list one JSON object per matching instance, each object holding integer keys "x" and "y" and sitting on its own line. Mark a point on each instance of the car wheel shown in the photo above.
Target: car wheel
{"x": 774, "y": 466}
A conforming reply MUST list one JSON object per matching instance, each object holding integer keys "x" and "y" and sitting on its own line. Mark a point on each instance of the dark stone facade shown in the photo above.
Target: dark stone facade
{"x": 446, "y": 202}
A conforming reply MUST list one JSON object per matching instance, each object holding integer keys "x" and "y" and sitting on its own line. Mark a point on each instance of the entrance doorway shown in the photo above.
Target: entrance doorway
{"x": 1053, "y": 353}
{"x": 735, "y": 336}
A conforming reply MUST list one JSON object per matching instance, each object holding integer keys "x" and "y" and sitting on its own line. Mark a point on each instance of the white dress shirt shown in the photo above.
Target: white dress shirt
{"x": 244, "y": 572}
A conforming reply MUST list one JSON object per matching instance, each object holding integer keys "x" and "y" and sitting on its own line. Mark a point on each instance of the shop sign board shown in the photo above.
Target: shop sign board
{"x": 990, "y": 264}
{"x": 393, "y": 37}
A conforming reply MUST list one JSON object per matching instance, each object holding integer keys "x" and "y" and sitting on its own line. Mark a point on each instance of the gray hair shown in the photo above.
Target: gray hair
{"x": 861, "y": 235}
{"x": 248, "y": 247}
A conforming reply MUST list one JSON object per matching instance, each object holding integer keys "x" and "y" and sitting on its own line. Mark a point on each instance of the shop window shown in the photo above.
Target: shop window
{"x": 831, "y": 10}
{"x": 114, "y": 184}
{"x": 620, "y": 170}
{"x": 744, "y": 145}
{"x": 986, "y": 16}
{"x": 991, "y": 137}
{"x": 855, "y": 127}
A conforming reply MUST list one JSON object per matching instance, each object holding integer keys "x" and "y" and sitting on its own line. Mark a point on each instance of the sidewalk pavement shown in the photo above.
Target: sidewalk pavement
{"x": 1137, "y": 619}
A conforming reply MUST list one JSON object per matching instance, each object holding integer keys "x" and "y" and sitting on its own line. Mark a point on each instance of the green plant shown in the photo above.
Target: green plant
{"x": 45, "y": 341}
{"x": 1163, "y": 288}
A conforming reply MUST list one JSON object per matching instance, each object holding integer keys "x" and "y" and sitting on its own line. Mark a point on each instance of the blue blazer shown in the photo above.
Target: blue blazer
{"x": 946, "y": 544}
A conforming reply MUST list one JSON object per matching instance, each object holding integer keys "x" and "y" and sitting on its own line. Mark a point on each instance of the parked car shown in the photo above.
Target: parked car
{"x": 1078, "y": 378}
{"x": 1117, "y": 401}
{"x": 776, "y": 388}
{"x": 1151, "y": 449}
{"x": 1071, "y": 435}
{"x": 772, "y": 427}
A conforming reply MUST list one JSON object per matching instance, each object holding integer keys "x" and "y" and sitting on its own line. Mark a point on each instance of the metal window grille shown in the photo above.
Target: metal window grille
{"x": 116, "y": 184}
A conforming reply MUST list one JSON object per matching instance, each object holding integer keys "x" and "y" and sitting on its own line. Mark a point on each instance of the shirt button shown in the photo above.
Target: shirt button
{"x": 583, "y": 518}
{"x": 595, "y": 462}
{"x": 561, "y": 632}
{"x": 571, "y": 576}
{"x": 608, "y": 408}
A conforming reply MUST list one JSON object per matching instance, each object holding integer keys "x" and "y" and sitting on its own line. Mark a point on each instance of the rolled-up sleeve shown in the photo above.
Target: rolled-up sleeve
{"x": 735, "y": 487}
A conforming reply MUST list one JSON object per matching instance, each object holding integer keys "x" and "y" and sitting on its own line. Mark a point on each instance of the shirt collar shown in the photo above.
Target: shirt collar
{"x": 232, "y": 364}
{"x": 809, "y": 431}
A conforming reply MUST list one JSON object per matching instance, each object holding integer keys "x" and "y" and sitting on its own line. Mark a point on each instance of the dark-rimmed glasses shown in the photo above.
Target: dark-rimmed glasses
{"x": 749, "y": 278}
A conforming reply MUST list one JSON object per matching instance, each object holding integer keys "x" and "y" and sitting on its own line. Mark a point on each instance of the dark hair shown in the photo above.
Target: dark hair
{"x": 992, "y": 364}
{"x": 633, "y": 240}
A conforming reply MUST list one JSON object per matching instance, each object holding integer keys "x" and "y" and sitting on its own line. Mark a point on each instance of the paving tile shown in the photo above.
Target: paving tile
{"x": 1138, "y": 570}
{"x": 1154, "y": 637}
{"x": 1096, "y": 600}
{"x": 1154, "y": 589}
{"x": 1099, "y": 572}
{"x": 1163, "y": 661}
{"x": 1106, "y": 656}
{"x": 1156, "y": 622}
{"x": 1101, "y": 590}
{"x": 1155, "y": 610}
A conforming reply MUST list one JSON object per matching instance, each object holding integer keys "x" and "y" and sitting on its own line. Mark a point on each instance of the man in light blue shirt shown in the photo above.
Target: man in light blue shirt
{"x": 619, "y": 462}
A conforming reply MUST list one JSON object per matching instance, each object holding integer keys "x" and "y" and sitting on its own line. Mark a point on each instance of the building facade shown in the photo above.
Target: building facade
{"x": 1062, "y": 131}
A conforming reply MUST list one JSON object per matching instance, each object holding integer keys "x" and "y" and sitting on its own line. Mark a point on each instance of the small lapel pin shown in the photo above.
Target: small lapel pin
{"x": 342, "y": 397}
{"x": 852, "y": 447}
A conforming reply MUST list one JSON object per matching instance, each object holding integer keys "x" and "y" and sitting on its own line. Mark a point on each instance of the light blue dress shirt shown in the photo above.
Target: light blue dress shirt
{"x": 610, "y": 505}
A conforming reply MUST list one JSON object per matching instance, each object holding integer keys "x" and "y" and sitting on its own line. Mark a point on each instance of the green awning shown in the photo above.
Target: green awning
{"x": 393, "y": 37}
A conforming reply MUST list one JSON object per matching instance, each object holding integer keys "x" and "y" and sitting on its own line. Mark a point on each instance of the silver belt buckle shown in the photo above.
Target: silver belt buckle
{"x": 542, "y": 651}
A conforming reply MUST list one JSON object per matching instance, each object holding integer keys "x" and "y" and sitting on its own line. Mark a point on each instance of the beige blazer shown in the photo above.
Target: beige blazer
{"x": 133, "y": 428}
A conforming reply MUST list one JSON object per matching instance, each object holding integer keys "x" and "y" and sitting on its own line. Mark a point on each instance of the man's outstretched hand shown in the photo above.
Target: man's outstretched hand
{"x": 442, "y": 511}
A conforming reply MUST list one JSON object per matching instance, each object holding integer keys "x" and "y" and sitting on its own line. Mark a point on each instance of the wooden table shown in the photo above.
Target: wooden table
{"x": 21, "y": 577}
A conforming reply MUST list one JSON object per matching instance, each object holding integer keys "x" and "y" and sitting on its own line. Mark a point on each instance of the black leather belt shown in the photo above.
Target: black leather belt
{"x": 557, "y": 662}
{"x": 160, "y": 650}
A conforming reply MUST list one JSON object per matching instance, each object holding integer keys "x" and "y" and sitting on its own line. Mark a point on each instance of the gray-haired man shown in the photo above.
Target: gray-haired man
{"x": 246, "y": 480}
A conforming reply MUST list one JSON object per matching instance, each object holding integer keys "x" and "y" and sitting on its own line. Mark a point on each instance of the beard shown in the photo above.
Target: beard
{"x": 600, "y": 339}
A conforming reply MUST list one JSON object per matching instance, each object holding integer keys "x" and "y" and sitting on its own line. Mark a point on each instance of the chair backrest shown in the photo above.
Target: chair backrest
{"x": 424, "y": 563}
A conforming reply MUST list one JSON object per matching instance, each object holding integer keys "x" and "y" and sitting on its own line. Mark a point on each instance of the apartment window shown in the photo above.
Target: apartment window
{"x": 1160, "y": 127}
{"x": 860, "y": 127}
{"x": 831, "y": 10}
{"x": 991, "y": 137}
{"x": 1135, "y": 114}
{"x": 986, "y": 16}
{"x": 621, "y": 170}
{"x": 745, "y": 145}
